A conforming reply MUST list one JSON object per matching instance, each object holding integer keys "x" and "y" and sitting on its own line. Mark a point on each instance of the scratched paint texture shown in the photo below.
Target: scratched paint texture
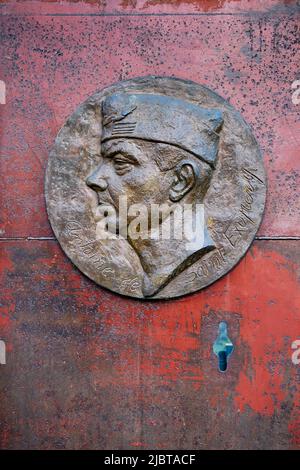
{"x": 90, "y": 369}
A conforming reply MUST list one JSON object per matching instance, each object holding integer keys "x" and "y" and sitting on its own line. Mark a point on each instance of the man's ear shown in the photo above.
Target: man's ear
{"x": 184, "y": 181}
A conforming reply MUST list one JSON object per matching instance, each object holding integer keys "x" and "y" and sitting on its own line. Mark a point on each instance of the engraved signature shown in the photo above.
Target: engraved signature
{"x": 237, "y": 229}
{"x": 89, "y": 248}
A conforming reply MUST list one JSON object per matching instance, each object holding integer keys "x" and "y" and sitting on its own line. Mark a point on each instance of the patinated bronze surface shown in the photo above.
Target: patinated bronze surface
{"x": 155, "y": 142}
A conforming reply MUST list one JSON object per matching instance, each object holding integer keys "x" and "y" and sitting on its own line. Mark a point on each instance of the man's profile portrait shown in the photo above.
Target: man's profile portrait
{"x": 157, "y": 150}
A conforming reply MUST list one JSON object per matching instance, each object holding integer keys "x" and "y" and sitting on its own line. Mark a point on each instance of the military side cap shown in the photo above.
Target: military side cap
{"x": 164, "y": 119}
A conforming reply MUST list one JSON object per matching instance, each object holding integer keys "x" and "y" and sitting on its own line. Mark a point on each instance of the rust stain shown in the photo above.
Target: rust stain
{"x": 143, "y": 6}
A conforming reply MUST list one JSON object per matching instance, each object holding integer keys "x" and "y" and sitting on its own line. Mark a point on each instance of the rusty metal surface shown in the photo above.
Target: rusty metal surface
{"x": 51, "y": 64}
{"x": 90, "y": 369}
{"x": 147, "y": 6}
{"x": 87, "y": 368}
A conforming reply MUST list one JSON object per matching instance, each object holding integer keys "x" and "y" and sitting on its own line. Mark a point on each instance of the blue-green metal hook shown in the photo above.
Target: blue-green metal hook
{"x": 223, "y": 346}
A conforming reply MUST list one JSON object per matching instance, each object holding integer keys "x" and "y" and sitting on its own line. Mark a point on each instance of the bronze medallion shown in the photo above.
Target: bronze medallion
{"x": 155, "y": 187}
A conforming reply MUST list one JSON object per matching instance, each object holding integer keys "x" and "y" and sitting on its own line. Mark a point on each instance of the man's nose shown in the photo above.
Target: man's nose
{"x": 97, "y": 182}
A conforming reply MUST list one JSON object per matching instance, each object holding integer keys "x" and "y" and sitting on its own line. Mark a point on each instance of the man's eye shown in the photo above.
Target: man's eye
{"x": 122, "y": 166}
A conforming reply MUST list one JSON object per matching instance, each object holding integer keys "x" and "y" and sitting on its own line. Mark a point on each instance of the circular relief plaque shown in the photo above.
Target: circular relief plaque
{"x": 155, "y": 187}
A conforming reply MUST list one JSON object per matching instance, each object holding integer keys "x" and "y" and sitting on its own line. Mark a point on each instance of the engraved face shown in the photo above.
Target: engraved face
{"x": 128, "y": 168}
{"x": 153, "y": 173}
{"x": 161, "y": 142}
{"x": 149, "y": 173}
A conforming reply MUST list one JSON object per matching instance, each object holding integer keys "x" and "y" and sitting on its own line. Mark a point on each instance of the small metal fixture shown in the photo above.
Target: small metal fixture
{"x": 223, "y": 346}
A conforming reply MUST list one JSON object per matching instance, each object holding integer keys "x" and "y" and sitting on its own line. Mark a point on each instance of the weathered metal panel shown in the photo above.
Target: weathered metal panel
{"x": 52, "y": 63}
{"x": 90, "y": 369}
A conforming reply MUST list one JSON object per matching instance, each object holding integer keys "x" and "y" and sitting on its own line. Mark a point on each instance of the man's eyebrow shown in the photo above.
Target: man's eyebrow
{"x": 113, "y": 152}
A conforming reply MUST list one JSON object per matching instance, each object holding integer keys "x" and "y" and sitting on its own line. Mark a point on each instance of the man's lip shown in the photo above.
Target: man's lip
{"x": 102, "y": 202}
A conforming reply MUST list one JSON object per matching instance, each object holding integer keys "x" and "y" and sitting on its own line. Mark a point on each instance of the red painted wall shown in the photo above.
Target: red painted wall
{"x": 86, "y": 368}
